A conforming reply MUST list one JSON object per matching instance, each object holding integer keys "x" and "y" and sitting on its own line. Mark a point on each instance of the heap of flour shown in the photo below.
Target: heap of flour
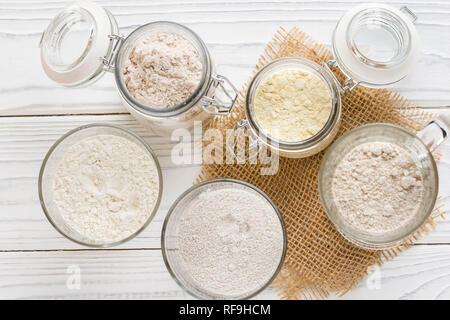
{"x": 292, "y": 105}
{"x": 162, "y": 70}
{"x": 106, "y": 187}
{"x": 231, "y": 241}
{"x": 377, "y": 187}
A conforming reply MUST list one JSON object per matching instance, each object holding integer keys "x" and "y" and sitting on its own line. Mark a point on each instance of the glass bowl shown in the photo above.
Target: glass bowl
{"x": 48, "y": 170}
{"x": 379, "y": 132}
{"x": 169, "y": 239}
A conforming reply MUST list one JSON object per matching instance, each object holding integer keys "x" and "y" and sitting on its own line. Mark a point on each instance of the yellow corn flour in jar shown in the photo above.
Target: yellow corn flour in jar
{"x": 292, "y": 105}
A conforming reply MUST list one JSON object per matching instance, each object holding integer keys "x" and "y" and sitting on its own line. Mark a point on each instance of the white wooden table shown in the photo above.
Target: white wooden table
{"x": 34, "y": 112}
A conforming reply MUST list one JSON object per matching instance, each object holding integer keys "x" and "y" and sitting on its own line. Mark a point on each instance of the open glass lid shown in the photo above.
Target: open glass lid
{"x": 376, "y": 44}
{"x": 78, "y": 44}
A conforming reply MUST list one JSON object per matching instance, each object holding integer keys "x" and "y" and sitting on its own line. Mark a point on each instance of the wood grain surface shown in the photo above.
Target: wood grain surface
{"x": 34, "y": 113}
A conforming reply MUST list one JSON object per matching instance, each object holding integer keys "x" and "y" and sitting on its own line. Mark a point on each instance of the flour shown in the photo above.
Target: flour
{"x": 162, "y": 70}
{"x": 231, "y": 241}
{"x": 377, "y": 187}
{"x": 106, "y": 187}
{"x": 292, "y": 105}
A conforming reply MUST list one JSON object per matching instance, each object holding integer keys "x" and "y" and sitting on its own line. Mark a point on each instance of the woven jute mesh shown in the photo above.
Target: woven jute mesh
{"x": 319, "y": 260}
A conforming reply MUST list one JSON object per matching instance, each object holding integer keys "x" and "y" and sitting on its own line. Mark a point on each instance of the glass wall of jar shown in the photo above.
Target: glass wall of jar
{"x": 83, "y": 42}
{"x": 374, "y": 45}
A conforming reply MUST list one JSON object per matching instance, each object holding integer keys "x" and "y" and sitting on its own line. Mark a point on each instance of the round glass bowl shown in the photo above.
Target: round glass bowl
{"x": 50, "y": 165}
{"x": 298, "y": 149}
{"x": 379, "y": 132}
{"x": 170, "y": 246}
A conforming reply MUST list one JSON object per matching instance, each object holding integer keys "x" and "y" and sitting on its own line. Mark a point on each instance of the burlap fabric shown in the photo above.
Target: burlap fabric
{"x": 319, "y": 260}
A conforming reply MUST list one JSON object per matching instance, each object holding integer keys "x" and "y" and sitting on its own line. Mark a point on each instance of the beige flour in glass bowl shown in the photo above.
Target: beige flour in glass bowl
{"x": 162, "y": 70}
{"x": 163, "y": 61}
{"x": 100, "y": 185}
{"x": 377, "y": 187}
{"x": 378, "y": 184}
{"x": 223, "y": 239}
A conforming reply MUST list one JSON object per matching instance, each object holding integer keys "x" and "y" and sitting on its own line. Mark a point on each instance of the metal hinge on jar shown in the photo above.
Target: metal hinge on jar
{"x": 349, "y": 84}
{"x": 212, "y": 104}
{"x": 109, "y": 62}
{"x": 409, "y": 13}
{"x": 246, "y": 153}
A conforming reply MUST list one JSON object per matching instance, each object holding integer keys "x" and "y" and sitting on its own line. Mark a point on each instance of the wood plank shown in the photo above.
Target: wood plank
{"x": 419, "y": 273}
{"x": 24, "y": 141}
{"x": 235, "y": 32}
{"x": 118, "y": 274}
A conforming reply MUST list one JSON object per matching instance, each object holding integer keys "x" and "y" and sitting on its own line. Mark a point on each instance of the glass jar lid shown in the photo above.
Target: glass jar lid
{"x": 78, "y": 44}
{"x": 376, "y": 44}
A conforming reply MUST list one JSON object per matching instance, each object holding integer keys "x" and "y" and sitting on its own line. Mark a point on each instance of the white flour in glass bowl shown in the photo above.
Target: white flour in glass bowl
{"x": 106, "y": 187}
